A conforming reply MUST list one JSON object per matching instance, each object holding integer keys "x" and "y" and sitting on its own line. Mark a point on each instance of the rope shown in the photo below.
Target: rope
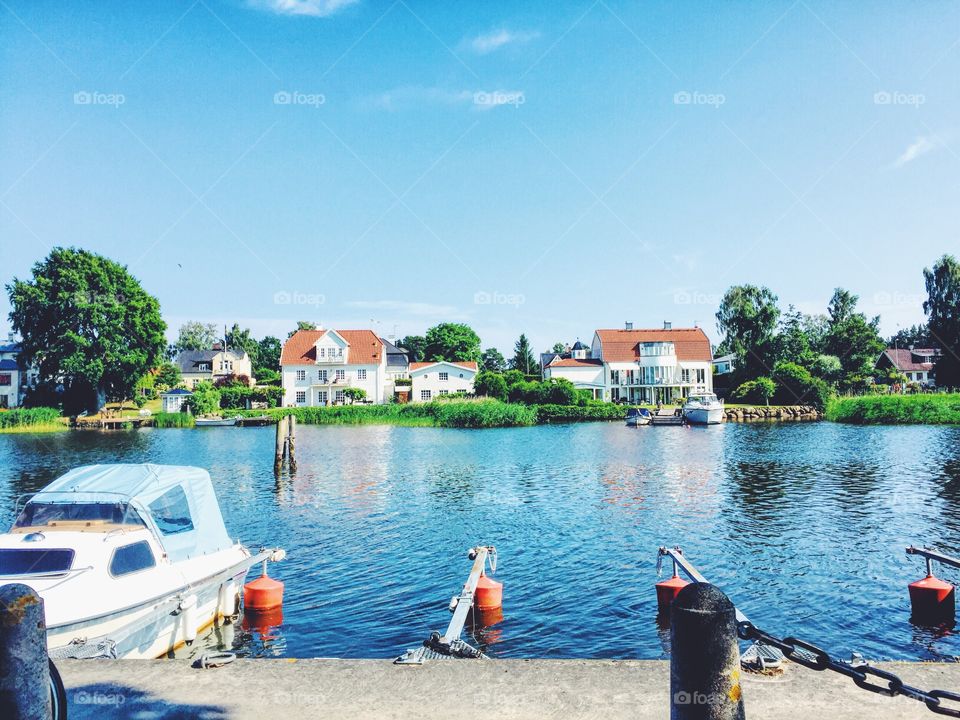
{"x": 214, "y": 660}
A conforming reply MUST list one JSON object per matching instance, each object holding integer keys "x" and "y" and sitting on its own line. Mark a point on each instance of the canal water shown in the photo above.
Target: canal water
{"x": 804, "y": 525}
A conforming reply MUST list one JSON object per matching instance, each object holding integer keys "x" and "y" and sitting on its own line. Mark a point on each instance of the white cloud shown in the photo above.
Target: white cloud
{"x": 921, "y": 146}
{"x": 418, "y": 309}
{"x": 309, "y": 8}
{"x": 495, "y": 40}
{"x": 409, "y": 96}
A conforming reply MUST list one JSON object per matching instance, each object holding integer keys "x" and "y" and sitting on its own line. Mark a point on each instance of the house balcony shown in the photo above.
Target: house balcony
{"x": 331, "y": 360}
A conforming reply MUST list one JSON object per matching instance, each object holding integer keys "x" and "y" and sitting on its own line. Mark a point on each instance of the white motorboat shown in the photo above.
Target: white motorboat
{"x": 216, "y": 421}
{"x": 132, "y": 561}
{"x": 638, "y": 416}
{"x": 703, "y": 409}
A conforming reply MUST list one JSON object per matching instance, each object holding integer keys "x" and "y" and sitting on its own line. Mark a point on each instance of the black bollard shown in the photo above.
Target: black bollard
{"x": 704, "y": 656}
{"x": 24, "y": 668}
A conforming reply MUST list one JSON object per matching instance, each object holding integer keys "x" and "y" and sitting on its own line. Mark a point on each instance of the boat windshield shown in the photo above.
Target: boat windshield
{"x": 45, "y": 514}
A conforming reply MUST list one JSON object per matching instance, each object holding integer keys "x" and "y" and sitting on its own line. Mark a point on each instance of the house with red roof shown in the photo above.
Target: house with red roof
{"x": 640, "y": 366}
{"x": 317, "y": 366}
{"x": 430, "y": 380}
{"x": 915, "y": 363}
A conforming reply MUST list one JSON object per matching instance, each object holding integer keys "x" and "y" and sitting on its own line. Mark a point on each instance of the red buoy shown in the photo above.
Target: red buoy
{"x": 932, "y": 600}
{"x": 667, "y": 590}
{"x": 488, "y": 595}
{"x": 263, "y": 593}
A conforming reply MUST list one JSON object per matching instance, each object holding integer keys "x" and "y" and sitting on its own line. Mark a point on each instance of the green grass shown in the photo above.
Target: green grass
{"x": 173, "y": 420}
{"x": 31, "y": 420}
{"x": 896, "y": 410}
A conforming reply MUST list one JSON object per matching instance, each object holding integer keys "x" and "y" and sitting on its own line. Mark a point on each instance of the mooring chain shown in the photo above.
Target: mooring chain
{"x": 810, "y": 656}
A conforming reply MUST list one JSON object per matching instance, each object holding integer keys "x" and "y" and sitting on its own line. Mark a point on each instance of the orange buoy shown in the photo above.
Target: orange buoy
{"x": 932, "y": 600}
{"x": 667, "y": 590}
{"x": 263, "y": 593}
{"x": 488, "y": 595}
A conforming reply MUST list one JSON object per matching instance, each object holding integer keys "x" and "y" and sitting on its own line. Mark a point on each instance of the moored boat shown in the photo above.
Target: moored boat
{"x": 132, "y": 561}
{"x": 215, "y": 421}
{"x": 638, "y": 416}
{"x": 703, "y": 409}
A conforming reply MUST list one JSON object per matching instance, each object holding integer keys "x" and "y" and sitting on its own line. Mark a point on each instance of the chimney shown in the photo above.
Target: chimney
{"x": 667, "y": 325}
{"x": 629, "y": 325}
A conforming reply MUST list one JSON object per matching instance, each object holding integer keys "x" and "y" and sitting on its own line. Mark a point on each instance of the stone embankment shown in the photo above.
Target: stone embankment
{"x": 785, "y": 412}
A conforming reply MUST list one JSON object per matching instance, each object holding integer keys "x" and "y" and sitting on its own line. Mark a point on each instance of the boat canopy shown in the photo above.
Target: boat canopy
{"x": 179, "y": 501}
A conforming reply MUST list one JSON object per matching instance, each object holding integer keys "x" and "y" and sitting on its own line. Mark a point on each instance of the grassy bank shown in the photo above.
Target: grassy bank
{"x": 31, "y": 420}
{"x": 896, "y": 410}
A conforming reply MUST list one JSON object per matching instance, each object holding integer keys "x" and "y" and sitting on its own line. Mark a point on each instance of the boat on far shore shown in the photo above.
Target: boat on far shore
{"x": 638, "y": 416}
{"x": 216, "y": 421}
{"x": 703, "y": 409}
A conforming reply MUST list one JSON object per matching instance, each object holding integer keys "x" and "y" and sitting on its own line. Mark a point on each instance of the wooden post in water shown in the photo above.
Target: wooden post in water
{"x": 24, "y": 667}
{"x": 291, "y": 442}
{"x": 281, "y": 445}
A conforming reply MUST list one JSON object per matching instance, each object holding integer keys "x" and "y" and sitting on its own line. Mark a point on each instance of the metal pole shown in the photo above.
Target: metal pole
{"x": 704, "y": 656}
{"x": 24, "y": 666}
{"x": 465, "y": 601}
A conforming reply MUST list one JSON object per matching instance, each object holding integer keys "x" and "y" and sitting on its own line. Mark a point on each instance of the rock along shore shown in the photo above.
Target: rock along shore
{"x": 758, "y": 412}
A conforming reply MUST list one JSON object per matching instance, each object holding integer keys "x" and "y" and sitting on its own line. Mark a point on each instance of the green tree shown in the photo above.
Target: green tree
{"x": 942, "y": 308}
{"x": 355, "y": 394}
{"x": 793, "y": 341}
{"x": 492, "y": 359}
{"x": 747, "y": 318}
{"x": 302, "y": 325}
{"x": 490, "y": 384}
{"x": 268, "y": 357}
{"x": 796, "y": 386}
{"x": 240, "y": 339}
{"x": 205, "y": 399}
{"x": 454, "y": 342}
{"x": 523, "y": 359}
{"x": 87, "y": 323}
{"x": 558, "y": 348}
{"x": 168, "y": 375}
{"x": 915, "y": 335}
{"x": 851, "y": 337}
{"x": 196, "y": 336}
{"x": 759, "y": 390}
{"x": 416, "y": 347}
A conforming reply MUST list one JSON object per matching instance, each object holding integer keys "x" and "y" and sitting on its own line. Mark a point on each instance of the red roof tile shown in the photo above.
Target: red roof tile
{"x": 301, "y": 349}
{"x": 691, "y": 344}
{"x": 575, "y": 362}
{"x": 903, "y": 358}
{"x": 419, "y": 365}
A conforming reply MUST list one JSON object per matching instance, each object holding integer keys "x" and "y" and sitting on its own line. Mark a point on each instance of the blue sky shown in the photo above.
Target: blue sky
{"x": 547, "y": 168}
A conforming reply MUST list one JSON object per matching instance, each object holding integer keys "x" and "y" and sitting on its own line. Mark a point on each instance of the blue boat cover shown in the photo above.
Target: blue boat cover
{"x": 179, "y": 500}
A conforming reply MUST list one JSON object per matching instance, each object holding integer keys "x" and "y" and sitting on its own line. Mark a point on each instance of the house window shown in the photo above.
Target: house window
{"x": 909, "y": 376}
{"x": 425, "y": 395}
{"x": 131, "y": 558}
{"x": 323, "y": 352}
{"x": 5, "y": 379}
{"x": 339, "y": 397}
{"x": 685, "y": 375}
{"x": 341, "y": 375}
{"x": 322, "y": 397}
{"x": 444, "y": 392}
{"x": 301, "y": 397}
{"x": 322, "y": 376}
{"x": 171, "y": 512}
{"x": 701, "y": 376}
{"x": 444, "y": 376}
{"x": 361, "y": 374}
{"x": 301, "y": 375}
{"x": 226, "y": 365}
{"x": 203, "y": 367}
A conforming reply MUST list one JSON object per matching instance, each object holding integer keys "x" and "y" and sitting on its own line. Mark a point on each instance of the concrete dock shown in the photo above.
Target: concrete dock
{"x": 502, "y": 689}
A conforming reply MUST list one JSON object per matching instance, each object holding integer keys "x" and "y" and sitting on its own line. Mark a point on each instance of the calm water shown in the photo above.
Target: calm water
{"x": 804, "y": 525}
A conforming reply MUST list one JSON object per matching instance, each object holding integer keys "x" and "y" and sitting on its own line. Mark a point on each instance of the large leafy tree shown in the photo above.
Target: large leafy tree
{"x": 747, "y": 318}
{"x": 196, "y": 336}
{"x": 454, "y": 342}
{"x": 268, "y": 355}
{"x": 916, "y": 335}
{"x": 851, "y": 337}
{"x": 523, "y": 359}
{"x": 302, "y": 325}
{"x": 416, "y": 346}
{"x": 492, "y": 359}
{"x": 240, "y": 339}
{"x": 87, "y": 324}
{"x": 943, "y": 312}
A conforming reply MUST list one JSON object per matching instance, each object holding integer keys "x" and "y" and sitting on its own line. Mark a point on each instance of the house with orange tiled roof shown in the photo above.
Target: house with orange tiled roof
{"x": 431, "y": 380}
{"x": 317, "y": 366}
{"x": 640, "y": 366}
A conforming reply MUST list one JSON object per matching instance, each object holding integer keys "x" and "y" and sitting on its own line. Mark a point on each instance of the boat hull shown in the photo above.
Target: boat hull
{"x": 704, "y": 416}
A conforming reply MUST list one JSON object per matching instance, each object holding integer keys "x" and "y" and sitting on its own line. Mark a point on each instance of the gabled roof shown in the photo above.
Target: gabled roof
{"x": 187, "y": 360}
{"x": 574, "y": 362}
{"x": 691, "y": 344}
{"x": 365, "y": 348}
{"x": 421, "y": 365}
{"x": 9, "y": 365}
{"x": 906, "y": 359}
{"x": 579, "y": 346}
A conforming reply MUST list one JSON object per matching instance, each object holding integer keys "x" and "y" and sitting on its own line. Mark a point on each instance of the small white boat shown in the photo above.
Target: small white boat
{"x": 638, "y": 416}
{"x": 703, "y": 409}
{"x": 132, "y": 561}
{"x": 215, "y": 422}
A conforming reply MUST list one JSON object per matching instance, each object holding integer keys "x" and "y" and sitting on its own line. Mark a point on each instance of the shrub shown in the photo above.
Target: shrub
{"x": 896, "y": 409}
{"x": 756, "y": 391}
{"x": 205, "y": 399}
{"x": 577, "y": 413}
{"x": 235, "y": 397}
{"x": 490, "y": 384}
{"x": 796, "y": 386}
{"x": 355, "y": 394}
{"x": 482, "y": 414}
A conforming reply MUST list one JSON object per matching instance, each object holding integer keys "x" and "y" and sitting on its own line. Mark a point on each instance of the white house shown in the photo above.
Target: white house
{"x": 173, "y": 401}
{"x": 724, "y": 364}
{"x": 917, "y": 364}
{"x": 640, "y": 366}
{"x": 430, "y": 380}
{"x": 316, "y": 366}
{"x": 13, "y": 381}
